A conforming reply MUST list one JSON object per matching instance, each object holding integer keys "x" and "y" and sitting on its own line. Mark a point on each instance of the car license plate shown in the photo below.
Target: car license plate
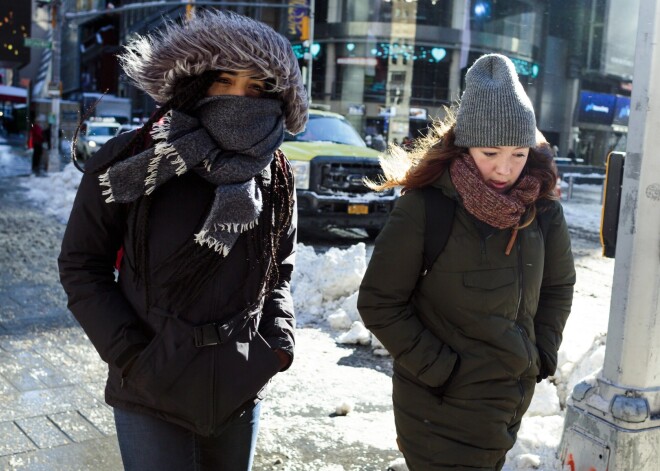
{"x": 358, "y": 209}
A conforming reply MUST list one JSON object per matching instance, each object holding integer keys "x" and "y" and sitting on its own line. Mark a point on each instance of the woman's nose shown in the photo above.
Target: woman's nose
{"x": 503, "y": 167}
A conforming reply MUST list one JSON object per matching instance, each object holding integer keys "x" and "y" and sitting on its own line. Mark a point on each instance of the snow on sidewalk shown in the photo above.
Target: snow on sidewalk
{"x": 300, "y": 422}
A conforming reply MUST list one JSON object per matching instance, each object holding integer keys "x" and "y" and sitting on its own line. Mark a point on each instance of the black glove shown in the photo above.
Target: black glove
{"x": 548, "y": 366}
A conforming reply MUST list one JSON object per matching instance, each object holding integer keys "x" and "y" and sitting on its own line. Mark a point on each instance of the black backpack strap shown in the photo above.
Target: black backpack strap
{"x": 543, "y": 218}
{"x": 439, "y": 219}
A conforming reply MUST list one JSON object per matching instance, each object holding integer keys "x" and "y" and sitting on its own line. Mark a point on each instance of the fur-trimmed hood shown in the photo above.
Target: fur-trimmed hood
{"x": 215, "y": 40}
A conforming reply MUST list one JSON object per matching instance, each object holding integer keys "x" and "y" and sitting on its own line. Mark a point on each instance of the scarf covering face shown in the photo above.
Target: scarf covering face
{"x": 228, "y": 142}
{"x": 499, "y": 210}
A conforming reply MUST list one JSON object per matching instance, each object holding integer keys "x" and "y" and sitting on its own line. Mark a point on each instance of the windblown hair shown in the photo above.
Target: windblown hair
{"x": 432, "y": 155}
{"x": 196, "y": 265}
{"x": 220, "y": 41}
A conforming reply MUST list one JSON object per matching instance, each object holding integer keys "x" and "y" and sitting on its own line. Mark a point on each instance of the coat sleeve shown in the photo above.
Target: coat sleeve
{"x": 556, "y": 295}
{"x": 92, "y": 238}
{"x": 384, "y": 300}
{"x": 278, "y": 322}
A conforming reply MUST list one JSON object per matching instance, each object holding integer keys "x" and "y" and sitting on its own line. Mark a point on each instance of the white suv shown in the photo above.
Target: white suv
{"x": 93, "y": 134}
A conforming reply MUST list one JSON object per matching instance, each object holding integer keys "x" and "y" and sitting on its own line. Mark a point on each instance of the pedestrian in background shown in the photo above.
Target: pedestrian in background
{"x": 471, "y": 337}
{"x": 37, "y": 144}
{"x": 378, "y": 142}
{"x": 201, "y": 203}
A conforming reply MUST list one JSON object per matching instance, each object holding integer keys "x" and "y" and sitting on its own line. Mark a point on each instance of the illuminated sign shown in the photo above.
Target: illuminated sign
{"x": 418, "y": 113}
{"x": 296, "y": 18}
{"x": 525, "y": 68}
{"x": 621, "y": 111}
{"x": 596, "y": 108}
{"x": 364, "y": 61}
{"x": 299, "y": 50}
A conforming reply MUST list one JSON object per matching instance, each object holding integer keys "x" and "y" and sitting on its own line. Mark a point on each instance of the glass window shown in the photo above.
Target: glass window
{"x": 514, "y": 18}
{"x": 373, "y": 11}
{"x": 431, "y": 70}
{"x": 102, "y": 130}
{"x": 328, "y": 129}
{"x": 434, "y": 13}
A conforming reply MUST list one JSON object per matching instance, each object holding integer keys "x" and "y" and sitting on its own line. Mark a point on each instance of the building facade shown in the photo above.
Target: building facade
{"x": 391, "y": 66}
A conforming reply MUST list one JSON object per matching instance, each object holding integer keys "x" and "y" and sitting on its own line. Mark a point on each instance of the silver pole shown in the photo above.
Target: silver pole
{"x": 614, "y": 422}
{"x": 54, "y": 89}
{"x": 310, "y": 58}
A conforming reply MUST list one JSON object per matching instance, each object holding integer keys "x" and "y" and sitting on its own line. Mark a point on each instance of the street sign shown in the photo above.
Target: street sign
{"x": 37, "y": 42}
{"x": 54, "y": 89}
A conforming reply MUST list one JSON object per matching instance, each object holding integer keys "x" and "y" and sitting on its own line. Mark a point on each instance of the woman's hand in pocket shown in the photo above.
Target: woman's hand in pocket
{"x": 284, "y": 358}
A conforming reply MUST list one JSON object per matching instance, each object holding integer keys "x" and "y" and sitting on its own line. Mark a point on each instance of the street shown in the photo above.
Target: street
{"x": 52, "y": 413}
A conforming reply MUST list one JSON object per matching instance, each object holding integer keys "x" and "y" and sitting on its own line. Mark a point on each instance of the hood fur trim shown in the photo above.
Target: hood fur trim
{"x": 215, "y": 40}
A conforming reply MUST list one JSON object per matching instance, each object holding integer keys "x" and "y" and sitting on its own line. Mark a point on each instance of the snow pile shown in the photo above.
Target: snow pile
{"x": 325, "y": 289}
{"x": 55, "y": 192}
{"x": 325, "y": 285}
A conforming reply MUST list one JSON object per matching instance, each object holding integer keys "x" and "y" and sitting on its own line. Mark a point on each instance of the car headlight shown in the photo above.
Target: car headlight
{"x": 92, "y": 143}
{"x": 301, "y": 173}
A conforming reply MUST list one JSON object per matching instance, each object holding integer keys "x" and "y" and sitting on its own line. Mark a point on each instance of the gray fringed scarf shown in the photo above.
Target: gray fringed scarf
{"x": 229, "y": 142}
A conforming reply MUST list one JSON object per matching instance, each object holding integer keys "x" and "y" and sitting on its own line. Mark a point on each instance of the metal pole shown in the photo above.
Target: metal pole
{"x": 55, "y": 88}
{"x": 310, "y": 58}
{"x": 614, "y": 422}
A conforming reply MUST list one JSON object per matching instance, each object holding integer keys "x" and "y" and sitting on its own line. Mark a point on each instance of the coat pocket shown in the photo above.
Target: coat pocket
{"x": 490, "y": 292}
{"x": 163, "y": 361}
{"x": 246, "y": 365}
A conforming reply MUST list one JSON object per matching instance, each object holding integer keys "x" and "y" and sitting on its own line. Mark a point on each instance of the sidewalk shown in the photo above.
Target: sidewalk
{"x": 52, "y": 413}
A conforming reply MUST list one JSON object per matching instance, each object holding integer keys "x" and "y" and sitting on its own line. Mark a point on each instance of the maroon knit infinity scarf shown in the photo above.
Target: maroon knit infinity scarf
{"x": 498, "y": 210}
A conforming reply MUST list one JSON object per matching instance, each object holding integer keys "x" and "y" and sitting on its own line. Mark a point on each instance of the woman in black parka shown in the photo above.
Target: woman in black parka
{"x": 471, "y": 336}
{"x": 199, "y": 203}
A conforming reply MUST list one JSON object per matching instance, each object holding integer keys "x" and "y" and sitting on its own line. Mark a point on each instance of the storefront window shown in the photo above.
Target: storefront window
{"x": 514, "y": 18}
{"x": 429, "y": 12}
{"x": 430, "y": 84}
{"x": 434, "y": 13}
{"x": 373, "y": 11}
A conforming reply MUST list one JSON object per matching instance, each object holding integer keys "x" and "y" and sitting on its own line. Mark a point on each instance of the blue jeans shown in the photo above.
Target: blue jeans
{"x": 148, "y": 443}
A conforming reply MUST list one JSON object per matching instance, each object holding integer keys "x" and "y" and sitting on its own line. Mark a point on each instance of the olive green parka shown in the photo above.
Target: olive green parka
{"x": 466, "y": 337}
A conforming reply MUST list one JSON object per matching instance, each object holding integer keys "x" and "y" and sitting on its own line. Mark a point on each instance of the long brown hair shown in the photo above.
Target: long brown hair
{"x": 432, "y": 155}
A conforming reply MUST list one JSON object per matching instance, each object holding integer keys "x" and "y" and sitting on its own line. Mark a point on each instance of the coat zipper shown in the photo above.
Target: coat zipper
{"x": 520, "y": 330}
{"x": 520, "y": 279}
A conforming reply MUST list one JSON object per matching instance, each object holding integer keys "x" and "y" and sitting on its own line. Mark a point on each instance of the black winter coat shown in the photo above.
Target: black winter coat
{"x": 199, "y": 388}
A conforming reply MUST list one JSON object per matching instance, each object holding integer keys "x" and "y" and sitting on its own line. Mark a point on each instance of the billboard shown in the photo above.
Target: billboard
{"x": 621, "y": 110}
{"x": 15, "y": 26}
{"x": 597, "y": 108}
{"x": 620, "y": 35}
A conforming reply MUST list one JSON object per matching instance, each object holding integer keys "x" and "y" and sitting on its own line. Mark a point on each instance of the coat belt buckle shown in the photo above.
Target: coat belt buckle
{"x": 206, "y": 335}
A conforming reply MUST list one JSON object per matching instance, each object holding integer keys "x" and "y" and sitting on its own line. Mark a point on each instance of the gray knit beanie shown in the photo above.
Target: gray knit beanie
{"x": 215, "y": 40}
{"x": 494, "y": 109}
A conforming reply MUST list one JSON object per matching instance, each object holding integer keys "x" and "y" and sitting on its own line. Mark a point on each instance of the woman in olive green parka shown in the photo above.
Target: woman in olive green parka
{"x": 471, "y": 338}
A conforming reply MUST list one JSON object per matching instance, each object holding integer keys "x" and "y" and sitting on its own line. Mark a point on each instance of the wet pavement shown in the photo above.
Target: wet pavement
{"x": 52, "y": 413}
